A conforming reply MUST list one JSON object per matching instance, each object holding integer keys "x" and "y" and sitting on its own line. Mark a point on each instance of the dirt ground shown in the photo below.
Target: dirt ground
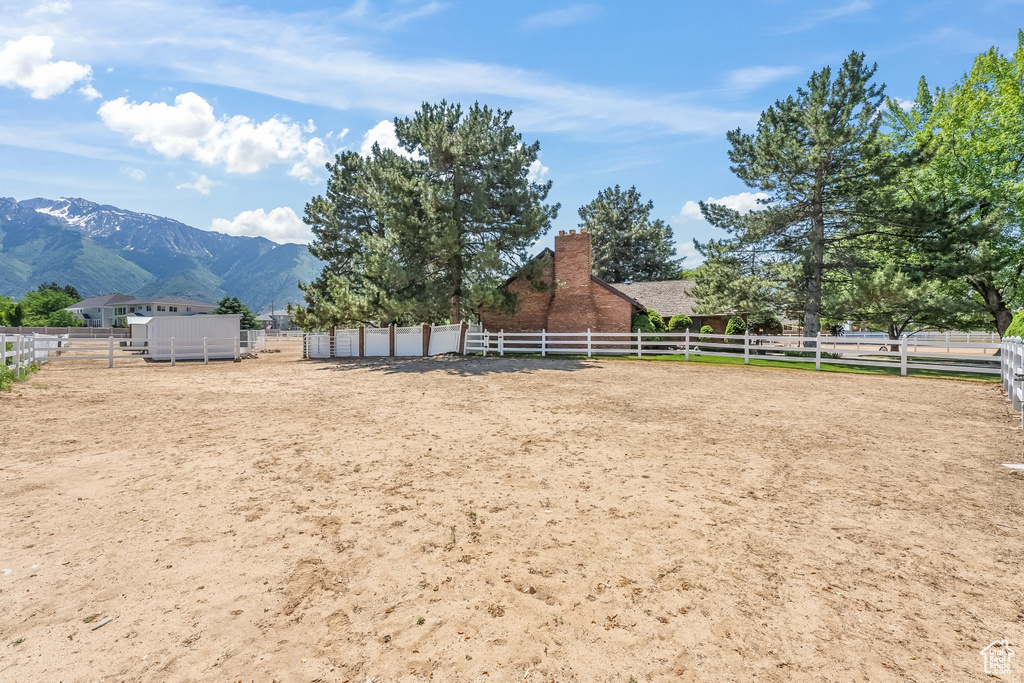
{"x": 504, "y": 520}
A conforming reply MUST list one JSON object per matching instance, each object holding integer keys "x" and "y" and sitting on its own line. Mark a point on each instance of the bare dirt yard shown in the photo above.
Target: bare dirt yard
{"x": 504, "y": 520}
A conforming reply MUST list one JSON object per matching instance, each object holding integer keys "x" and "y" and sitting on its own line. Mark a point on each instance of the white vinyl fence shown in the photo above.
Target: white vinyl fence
{"x": 902, "y": 354}
{"x": 252, "y": 341}
{"x": 408, "y": 341}
{"x": 26, "y": 349}
{"x": 1013, "y": 373}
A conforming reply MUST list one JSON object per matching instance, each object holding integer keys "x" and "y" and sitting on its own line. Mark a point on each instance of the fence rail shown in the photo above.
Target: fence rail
{"x": 902, "y": 354}
{"x": 36, "y": 348}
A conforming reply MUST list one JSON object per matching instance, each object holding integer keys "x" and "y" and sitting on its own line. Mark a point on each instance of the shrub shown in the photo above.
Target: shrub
{"x": 707, "y": 329}
{"x": 656, "y": 320}
{"x": 736, "y": 325}
{"x": 764, "y": 322}
{"x": 1016, "y": 328}
{"x": 642, "y": 323}
{"x": 679, "y": 323}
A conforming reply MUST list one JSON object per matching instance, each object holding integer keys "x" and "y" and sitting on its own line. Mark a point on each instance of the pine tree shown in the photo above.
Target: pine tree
{"x": 431, "y": 233}
{"x": 231, "y": 304}
{"x": 627, "y": 245}
{"x": 818, "y": 155}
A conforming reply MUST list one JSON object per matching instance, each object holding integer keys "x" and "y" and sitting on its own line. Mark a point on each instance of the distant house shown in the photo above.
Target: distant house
{"x": 111, "y": 310}
{"x": 277, "y": 320}
{"x": 566, "y": 297}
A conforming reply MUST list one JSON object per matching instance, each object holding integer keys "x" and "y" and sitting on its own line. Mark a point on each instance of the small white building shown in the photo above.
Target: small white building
{"x": 111, "y": 310}
{"x": 192, "y": 337}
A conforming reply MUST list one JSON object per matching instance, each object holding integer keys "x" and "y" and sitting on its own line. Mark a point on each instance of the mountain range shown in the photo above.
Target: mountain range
{"x": 102, "y": 249}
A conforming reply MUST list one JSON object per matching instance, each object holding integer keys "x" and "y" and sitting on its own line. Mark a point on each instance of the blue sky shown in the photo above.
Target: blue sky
{"x": 221, "y": 115}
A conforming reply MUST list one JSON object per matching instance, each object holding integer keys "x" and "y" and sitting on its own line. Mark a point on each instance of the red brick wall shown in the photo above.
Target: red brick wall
{"x": 576, "y": 304}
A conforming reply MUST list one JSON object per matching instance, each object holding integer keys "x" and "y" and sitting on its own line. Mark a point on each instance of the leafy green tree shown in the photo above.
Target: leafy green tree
{"x": 679, "y": 323}
{"x": 10, "y": 312}
{"x": 656, "y": 320}
{"x": 432, "y": 233}
{"x": 45, "y": 308}
{"x": 627, "y": 245}
{"x": 232, "y": 305}
{"x": 819, "y": 156}
{"x": 67, "y": 289}
{"x": 973, "y": 138}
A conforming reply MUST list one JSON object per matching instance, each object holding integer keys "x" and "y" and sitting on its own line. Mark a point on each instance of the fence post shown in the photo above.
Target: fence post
{"x": 110, "y": 352}
{"x": 172, "y": 351}
{"x": 3, "y": 350}
{"x": 903, "y": 357}
{"x": 1015, "y": 367}
{"x": 746, "y": 347}
{"x": 817, "y": 352}
{"x": 501, "y": 342}
{"x": 590, "y": 345}
{"x": 18, "y": 345}
{"x": 686, "y": 345}
{"x": 238, "y": 348}
{"x": 485, "y": 337}
{"x": 639, "y": 344}
{"x": 543, "y": 343}
{"x": 206, "y": 353}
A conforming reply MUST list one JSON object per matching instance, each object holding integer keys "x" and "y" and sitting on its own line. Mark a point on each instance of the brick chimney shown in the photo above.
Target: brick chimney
{"x": 572, "y": 307}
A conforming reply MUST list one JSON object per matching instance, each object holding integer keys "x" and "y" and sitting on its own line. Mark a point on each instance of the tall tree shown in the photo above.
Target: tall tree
{"x": 67, "y": 289}
{"x": 45, "y": 308}
{"x": 974, "y": 136}
{"x": 818, "y": 155}
{"x": 627, "y": 245}
{"x": 433, "y": 231}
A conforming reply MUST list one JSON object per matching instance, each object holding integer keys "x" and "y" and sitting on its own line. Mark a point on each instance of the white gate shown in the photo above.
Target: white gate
{"x": 376, "y": 341}
{"x": 318, "y": 345}
{"x": 445, "y": 339}
{"x": 346, "y": 343}
{"x": 409, "y": 341}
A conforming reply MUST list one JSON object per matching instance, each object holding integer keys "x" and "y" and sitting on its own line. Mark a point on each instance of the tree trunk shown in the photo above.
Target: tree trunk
{"x": 812, "y": 302}
{"x": 994, "y": 302}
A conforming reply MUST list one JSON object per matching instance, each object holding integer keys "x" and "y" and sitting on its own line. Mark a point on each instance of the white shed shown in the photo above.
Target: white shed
{"x": 187, "y": 337}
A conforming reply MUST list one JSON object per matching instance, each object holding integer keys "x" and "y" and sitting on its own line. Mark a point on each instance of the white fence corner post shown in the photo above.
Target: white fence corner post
{"x": 686, "y": 344}
{"x": 903, "y": 357}
{"x": 746, "y": 347}
{"x": 639, "y": 344}
{"x": 590, "y": 348}
{"x": 817, "y": 352}
{"x": 110, "y": 352}
{"x": 206, "y": 353}
{"x": 3, "y": 350}
{"x": 543, "y": 343}
{"x": 501, "y": 342}
{"x": 172, "y": 352}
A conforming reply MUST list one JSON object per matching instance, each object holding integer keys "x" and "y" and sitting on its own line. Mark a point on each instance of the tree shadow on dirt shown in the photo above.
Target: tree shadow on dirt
{"x": 465, "y": 366}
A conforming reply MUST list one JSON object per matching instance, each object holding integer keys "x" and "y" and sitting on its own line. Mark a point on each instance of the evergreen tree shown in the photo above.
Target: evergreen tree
{"x": 429, "y": 234}
{"x": 627, "y": 245}
{"x": 819, "y": 156}
{"x": 231, "y": 305}
{"x": 67, "y": 289}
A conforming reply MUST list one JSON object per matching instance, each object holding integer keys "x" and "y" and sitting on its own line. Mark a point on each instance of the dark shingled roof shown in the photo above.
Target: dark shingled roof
{"x": 667, "y": 297}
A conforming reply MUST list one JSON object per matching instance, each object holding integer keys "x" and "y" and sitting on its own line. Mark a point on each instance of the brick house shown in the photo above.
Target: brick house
{"x": 567, "y": 298}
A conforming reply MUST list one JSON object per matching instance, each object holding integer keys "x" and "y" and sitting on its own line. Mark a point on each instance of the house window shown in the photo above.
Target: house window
{"x": 149, "y": 308}
{"x": 188, "y": 308}
{"x": 173, "y": 309}
{"x": 160, "y": 308}
{"x": 119, "y": 311}
{"x": 131, "y": 309}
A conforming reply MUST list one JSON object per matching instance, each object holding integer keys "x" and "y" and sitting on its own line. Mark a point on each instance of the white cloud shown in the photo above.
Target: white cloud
{"x": 757, "y": 76}
{"x": 280, "y": 225}
{"x": 383, "y": 134}
{"x": 537, "y": 172}
{"x": 905, "y": 105}
{"x": 564, "y": 16}
{"x": 200, "y": 183}
{"x": 691, "y": 257}
{"x": 90, "y": 92}
{"x": 820, "y": 16}
{"x": 744, "y": 202}
{"x": 189, "y": 128}
{"x": 28, "y": 63}
{"x": 134, "y": 173}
